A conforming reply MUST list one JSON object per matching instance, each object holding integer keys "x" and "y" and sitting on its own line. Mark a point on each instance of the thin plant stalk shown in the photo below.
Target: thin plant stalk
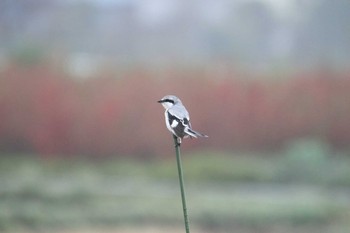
{"x": 183, "y": 196}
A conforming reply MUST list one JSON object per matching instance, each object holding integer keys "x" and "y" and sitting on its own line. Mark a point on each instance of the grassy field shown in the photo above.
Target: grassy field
{"x": 226, "y": 193}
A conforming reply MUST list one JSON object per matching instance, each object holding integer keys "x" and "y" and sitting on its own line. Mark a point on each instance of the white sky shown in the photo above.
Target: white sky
{"x": 155, "y": 9}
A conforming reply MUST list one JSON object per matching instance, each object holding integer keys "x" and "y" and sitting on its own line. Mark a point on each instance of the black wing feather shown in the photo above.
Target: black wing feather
{"x": 180, "y": 127}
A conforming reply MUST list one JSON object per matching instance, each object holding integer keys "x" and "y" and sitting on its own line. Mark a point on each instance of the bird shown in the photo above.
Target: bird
{"x": 177, "y": 119}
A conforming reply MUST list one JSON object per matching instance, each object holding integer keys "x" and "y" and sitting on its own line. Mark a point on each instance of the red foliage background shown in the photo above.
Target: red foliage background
{"x": 45, "y": 111}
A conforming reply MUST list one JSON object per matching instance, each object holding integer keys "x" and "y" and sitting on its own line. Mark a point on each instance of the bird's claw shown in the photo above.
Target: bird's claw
{"x": 178, "y": 141}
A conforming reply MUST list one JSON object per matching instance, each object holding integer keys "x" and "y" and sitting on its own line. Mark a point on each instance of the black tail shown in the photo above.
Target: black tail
{"x": 194, "y": 133}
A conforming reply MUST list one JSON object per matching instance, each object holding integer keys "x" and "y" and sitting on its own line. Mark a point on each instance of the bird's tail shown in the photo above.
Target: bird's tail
{"x": 194, "y": 133}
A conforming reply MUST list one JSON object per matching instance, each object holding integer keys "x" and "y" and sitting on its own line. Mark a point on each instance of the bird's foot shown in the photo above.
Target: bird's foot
{"x": 177, "y": 141}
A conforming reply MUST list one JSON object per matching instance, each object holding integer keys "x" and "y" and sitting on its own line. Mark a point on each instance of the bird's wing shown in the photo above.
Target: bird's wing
{"x": 179, "y": 112}
{"x": 178, "y": 120}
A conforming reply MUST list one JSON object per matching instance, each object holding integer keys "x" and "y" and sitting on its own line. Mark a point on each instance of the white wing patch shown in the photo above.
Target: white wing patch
{"x": 174, "y": 124}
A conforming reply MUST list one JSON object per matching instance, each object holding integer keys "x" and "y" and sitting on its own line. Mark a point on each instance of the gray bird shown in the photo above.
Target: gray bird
{"x": 177, "y": 119}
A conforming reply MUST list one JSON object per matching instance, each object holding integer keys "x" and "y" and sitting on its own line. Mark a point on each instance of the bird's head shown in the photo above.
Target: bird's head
{"x": 168, "y": 101}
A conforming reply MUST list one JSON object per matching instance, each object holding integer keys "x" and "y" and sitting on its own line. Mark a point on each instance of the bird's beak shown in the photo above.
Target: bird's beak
{"x": 160, "y": 101}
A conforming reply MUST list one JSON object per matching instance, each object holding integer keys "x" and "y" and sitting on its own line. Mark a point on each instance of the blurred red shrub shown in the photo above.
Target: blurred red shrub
{"x": 45, "y": 111}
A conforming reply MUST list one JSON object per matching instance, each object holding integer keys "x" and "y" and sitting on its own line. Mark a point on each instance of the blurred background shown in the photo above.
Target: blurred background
{"x": 83, "y": 143}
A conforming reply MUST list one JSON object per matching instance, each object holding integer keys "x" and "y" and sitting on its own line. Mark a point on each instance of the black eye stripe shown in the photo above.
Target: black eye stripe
{"x": 169, "y": 101}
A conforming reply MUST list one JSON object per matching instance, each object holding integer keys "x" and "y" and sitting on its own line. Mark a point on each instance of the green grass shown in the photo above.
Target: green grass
{"x": 224, "y": 191}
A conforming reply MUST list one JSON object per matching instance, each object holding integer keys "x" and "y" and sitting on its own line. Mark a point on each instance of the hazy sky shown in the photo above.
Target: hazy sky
{"x": 281, "y": 7}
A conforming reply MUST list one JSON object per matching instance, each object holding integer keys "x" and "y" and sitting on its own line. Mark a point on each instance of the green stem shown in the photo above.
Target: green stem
{"x": 183, "y": 196}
